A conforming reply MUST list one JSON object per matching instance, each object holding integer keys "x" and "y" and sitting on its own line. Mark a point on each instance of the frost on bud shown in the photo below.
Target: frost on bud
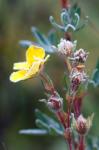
{"x": 83, "y": 125}
{"x": 80, "y": 56}
{"x": 55, "y": 103}
{"x": 65, "y": 47}
{"x": 77, "y": 77}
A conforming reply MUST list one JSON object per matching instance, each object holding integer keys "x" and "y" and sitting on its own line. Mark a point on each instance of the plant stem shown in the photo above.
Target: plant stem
{"x": 68, "y": 124}
{"x": 68, "y": 65}
{"x": 47, "y": 83}
{"x": 68, "y": 36}
{"x": 77, "y": 103}
{"x": 70, "y": 145}
{"x": 81, "y": 143}
{"x": 64, "y": 4}
{"x": 61, "y": 118}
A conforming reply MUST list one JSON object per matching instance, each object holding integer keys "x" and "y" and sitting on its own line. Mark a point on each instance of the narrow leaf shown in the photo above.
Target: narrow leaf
{"x": 42, "y": 40}
{"x": 48, "y": 120}
{"x": 33, "y": 132}
{"x": 26, "y": 43}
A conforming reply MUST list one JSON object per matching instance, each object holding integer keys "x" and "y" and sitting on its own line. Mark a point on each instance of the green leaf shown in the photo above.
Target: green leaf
{"x": 65, "y": 82}
{"x": 53, "y": 37}
{"x": 65, "y": 19}
{"x": 75, "y": 20}
{"x": 55, "y": 131}
{"x": 42, "y": 125}
{"x": 33, "y": 132}
{"x": 95, "y": 76}
{"x": 53, "y": 22}
{"x": 97, "y": 65}
{"x": 92, "y": 143}
{"x": 42, "y": 40}
{"x": 74, "y": 45}
{"x": 76, "y": 9}
{"x": 46, "y": 122}
{"x": 26, "y": 43}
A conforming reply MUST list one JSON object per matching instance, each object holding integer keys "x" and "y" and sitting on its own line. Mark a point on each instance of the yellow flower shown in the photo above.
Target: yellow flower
{"x": 35, "y": 57}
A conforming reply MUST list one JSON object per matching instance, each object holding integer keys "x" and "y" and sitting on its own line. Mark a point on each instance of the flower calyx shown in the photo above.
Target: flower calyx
{"x": 55, "y": 103}
{"x": 80, "y": 56}
{"x": 65, "y": 47}
{"x": 83, "y": 125}
{"x": 77, "y": 77}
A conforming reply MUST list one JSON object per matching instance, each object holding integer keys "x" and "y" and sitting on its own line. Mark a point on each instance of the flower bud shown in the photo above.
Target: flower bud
{"x": 77, "y": 77}
{"x": 80, "y": 56}
{"x": 65, "y": 47}
{"x": 55, "y": 103}
{"x": 83, "y": 125}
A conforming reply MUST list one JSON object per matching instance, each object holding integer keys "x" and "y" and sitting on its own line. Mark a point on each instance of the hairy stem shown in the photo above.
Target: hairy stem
{"x": 48, "y": 85}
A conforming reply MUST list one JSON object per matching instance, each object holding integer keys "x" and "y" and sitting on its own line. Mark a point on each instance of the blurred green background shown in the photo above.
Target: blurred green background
{"x": 18, "y": 101}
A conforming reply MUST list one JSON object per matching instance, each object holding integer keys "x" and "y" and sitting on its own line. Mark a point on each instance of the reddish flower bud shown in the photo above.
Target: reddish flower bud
{"x": 55, "y": 103}
{"x": 77, "y": 77}
{"x": 83, "y": 125}
{"x": 80, "y": 56}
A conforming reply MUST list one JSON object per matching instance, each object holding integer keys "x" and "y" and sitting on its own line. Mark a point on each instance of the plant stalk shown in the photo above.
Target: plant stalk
{"x": 65, "y": 4}
{"x": 81, "y": 143}
{"x": 47, "y": 83}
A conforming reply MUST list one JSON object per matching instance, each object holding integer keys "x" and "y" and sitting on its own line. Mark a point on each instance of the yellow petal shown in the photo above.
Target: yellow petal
{"x": 18, "y": 76}
{"x": 21, "y": 66}
{"x": 34, "y": 52}
{"x": 34, "y": 69}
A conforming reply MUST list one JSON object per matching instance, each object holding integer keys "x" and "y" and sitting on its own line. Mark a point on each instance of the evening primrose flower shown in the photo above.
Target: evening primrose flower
{"x": 35, "y": 57}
